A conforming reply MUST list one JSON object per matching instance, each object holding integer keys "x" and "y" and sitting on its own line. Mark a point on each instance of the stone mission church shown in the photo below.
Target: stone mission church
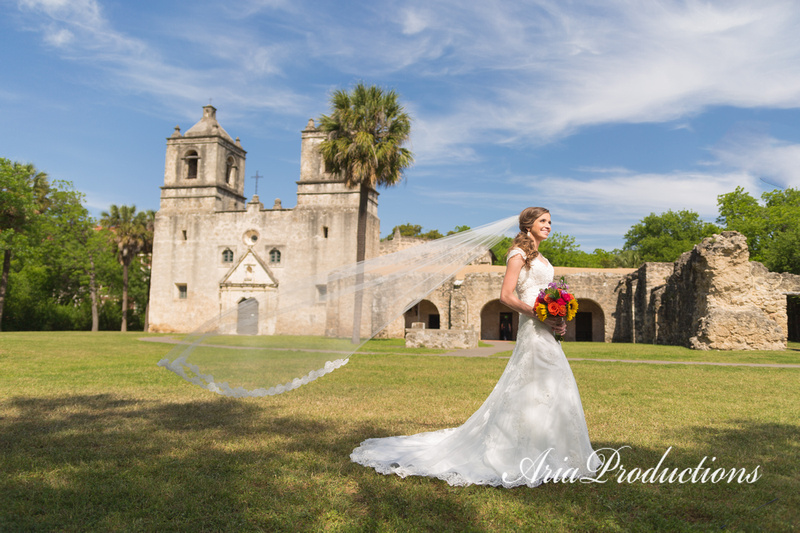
{"x": 212, "y": 250}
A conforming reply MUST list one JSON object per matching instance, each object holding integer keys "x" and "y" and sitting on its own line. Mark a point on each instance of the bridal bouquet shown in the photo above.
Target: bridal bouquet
{"x": 556, "y": 301}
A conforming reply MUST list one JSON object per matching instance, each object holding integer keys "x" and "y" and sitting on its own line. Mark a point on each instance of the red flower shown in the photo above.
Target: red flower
{"x": 566, "y": 296}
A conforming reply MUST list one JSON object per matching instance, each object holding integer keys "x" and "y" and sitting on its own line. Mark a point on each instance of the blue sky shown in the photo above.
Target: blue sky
{"x": 604, "y": 111}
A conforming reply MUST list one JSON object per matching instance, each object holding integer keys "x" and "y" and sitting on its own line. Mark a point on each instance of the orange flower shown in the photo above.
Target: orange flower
{"x": 552, "y": 308}
{"x": 562, "y": 310}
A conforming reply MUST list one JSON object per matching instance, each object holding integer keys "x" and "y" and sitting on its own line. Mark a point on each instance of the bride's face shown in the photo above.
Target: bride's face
{"x": 541, "y": 228}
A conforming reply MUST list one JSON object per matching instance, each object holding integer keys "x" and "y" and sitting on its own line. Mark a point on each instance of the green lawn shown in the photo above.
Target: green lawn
{"x": 95, "y": 436}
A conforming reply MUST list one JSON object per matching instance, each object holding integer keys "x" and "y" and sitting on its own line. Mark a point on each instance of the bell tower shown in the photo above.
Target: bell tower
{"x": 204, "y": 168}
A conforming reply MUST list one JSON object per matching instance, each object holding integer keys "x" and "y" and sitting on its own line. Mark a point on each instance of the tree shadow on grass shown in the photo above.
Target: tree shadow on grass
{"x": 106, "y": 462}
{"x": 621, "y": 503}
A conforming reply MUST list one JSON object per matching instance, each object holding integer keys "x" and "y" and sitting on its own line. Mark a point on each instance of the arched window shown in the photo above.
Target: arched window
{"x": 191, "y": 159}
{"x": 230, "y": 170}
{"x": 227, "y": 256}
{"x": 275, "y": 256}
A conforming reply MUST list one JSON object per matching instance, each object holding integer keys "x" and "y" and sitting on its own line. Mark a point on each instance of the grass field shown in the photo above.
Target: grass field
{"x": 95, "y": 437}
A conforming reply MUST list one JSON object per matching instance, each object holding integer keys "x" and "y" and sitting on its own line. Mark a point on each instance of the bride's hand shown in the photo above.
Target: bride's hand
{"x": 558, "y": 324}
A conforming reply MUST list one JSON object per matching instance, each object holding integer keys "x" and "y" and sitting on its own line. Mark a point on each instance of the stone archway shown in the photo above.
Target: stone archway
{"x": 425, "y": 311}
{"x": 494, "y": 316}
{"x": 589, "y": 325}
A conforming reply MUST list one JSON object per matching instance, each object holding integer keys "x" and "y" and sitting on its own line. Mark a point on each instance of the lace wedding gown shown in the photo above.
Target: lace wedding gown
{"x": 530, "y": 427}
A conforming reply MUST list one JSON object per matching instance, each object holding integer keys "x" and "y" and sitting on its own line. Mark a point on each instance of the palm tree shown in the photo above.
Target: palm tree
{"x": 366, "y": 131}
{"x": 129, "y": 233}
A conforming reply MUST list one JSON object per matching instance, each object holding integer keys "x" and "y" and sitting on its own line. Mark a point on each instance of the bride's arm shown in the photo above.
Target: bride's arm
{"x": 507, "y": 292}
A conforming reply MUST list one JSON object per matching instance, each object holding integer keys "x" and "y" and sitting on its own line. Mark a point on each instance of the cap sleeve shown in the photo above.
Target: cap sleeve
{"x": 516, "y": 251}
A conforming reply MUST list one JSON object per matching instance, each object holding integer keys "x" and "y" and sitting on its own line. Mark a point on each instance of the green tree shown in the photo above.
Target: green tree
{"x": 129, "y": 232}
{"x": 415, "y": 230}
{"x": 147, "y": 261}
{"x": 783, "y": 217}
{"x": 500, "y": 250}
{"x": 626, "y": 259}
{"x": 666, "y": 236}
{"x": 79, "y": 253}
{"x": 23, "y": 196}
{"x": 406, "y": 230}
{"x": 431, "y": 235}
{"x": 366, "y": 129}
{"x": 560, "y": 249}
{"x": 772, "y": 229}
{"x": 458, "y": 229}
{"x": 739, "y": 211}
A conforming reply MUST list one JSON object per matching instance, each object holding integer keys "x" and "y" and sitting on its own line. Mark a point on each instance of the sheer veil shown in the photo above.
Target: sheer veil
{"x": 290, "y": 336}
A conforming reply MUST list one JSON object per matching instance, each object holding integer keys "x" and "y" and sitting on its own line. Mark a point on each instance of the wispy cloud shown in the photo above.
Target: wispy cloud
{"x": 601, "y": 209}
{"x": 551, "y": 68}
{"x": 80, "y": 31}
{"x": 774, "y": 161}
{"x": 507, "y": 71}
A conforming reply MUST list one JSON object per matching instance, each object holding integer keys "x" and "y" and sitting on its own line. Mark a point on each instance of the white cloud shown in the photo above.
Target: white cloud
{"x": 80, "y": 29}
{"x": 774, "y": 161}
{"x": 59, "y": 37}
{"x": 548, "y": 69}
{"x": 413, "y": 21}
{"x": 598, "y": 211}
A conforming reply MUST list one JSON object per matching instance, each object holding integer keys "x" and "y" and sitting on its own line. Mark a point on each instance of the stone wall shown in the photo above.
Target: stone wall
{"x": 475, "y": 294}
{"x": 641, "y": 313}
{"x": 717, "y": 299}
{"x": 448, "y": 339}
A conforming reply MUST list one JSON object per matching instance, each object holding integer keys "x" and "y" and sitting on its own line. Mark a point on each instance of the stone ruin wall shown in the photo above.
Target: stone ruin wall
{"x": 649, "y": 277}
{"x": 717, "y": 299}
{"x": 713, "y": 297}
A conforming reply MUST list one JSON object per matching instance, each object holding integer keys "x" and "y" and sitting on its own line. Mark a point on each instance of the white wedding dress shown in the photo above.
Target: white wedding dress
{"x": 530, "y": 428}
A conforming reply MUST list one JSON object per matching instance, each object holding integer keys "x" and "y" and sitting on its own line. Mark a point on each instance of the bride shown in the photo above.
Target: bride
{"x": 531, "y": 429}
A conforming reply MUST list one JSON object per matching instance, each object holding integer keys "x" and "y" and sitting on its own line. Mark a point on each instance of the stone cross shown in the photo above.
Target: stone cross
{"x": 256, "y": 177}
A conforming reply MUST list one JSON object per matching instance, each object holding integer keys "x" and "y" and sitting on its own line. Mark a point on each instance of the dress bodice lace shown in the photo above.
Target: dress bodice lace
{"x": 532, "y": 280}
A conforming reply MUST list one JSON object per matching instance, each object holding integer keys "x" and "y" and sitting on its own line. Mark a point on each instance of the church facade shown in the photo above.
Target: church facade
{"x": 212, "y": 249}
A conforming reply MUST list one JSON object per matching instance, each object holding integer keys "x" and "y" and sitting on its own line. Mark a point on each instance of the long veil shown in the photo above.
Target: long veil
{"x": 305, "y": 329}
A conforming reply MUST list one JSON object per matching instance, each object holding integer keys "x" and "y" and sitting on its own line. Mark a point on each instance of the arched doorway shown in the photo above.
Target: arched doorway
{"x": 498, "y": 322}
{"x": 589, "y": 324}
{"x": 425, "y": 311}
{"x": 247, "y": 317}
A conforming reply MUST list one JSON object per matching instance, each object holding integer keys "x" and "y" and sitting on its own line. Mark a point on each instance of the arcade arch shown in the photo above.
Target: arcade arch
{"x": 589, "y": 325}
{"x": 495, "y": 318}
{"x": 425, "y": 311}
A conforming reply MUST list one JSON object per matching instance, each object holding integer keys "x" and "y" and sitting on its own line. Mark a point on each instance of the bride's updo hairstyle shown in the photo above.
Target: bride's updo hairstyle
{"x": 522, "y": 241}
